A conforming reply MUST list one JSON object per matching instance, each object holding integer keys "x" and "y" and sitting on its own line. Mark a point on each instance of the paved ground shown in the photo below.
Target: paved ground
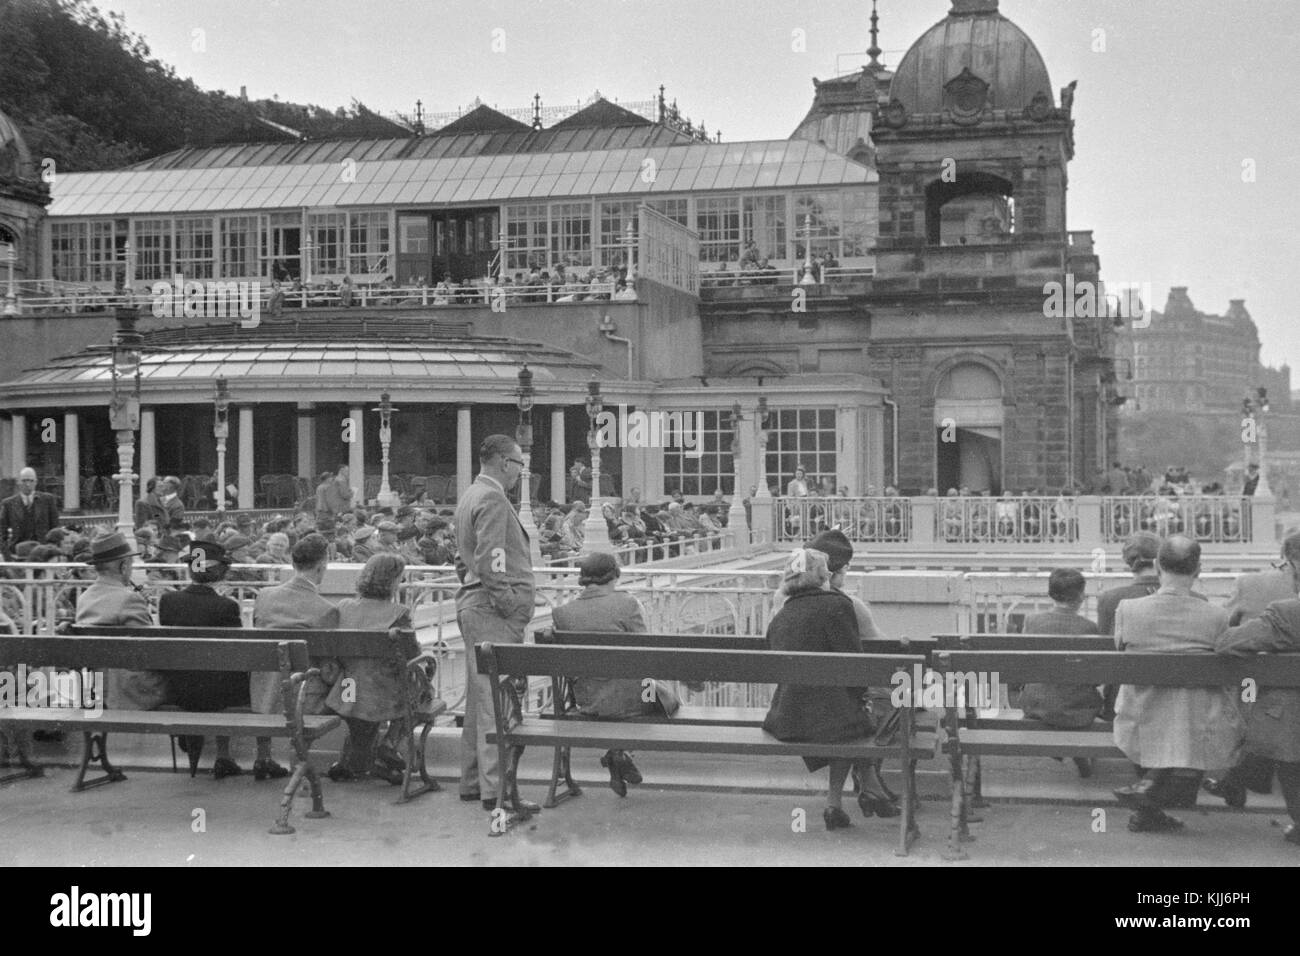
{"x": 689, "y": 812}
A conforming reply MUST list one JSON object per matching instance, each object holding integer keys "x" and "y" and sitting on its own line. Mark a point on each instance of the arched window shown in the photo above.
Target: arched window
{"x": 974, "y": 208}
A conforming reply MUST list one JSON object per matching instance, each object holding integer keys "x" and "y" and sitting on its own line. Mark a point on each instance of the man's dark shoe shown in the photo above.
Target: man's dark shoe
{"x": 627, "y": 768}
{"x": 1154, "y": 821}
{"x": 1084, "y": 766}
{"x": 525, "y": 805}
{"x": 268, "y": 769}
{"x": 1230, "y": 792}
{"x": 1137, "y": 796}
{"x": 616, "y": 781}
{"x": 471, "y": 796}
{"x": 1292, "y": 834}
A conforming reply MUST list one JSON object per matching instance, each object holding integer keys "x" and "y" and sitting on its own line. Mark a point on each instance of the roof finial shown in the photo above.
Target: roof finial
{"x": 874, "y": 50}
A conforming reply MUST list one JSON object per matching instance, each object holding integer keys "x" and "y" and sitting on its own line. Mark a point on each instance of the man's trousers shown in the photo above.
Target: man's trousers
{"x": 480, "y": 623}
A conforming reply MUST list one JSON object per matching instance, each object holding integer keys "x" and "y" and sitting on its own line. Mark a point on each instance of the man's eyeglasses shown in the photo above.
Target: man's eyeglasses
{"x": 516, "y": 461}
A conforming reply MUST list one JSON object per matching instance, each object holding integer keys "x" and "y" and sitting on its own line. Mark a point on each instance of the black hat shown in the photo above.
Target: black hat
{"x": 836, "y": 546}
{"x": 597, "y": 567}
{"x": 202, "y": 553}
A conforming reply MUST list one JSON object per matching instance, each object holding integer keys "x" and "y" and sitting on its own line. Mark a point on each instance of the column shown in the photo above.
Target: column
{"x": 19, "y": 445}
{"x": 464, "y": 450}
{"x": 848, "y": 457}
{"x": 307, "y": 441}
{"x": 7, "y": 466}
{"x": 357, "y": 454}
{"x": 247, "y": 487}
{"x": 71, "y": 463}
{"x": 559, "y": 473}
{"x": 148, "y": 446}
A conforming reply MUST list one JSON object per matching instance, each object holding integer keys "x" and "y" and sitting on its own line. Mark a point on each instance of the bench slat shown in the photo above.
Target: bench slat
{"x": 1126, "y": 667}
{"x": 151, "y": 653}
{"x": 1024, "y": 642}
{"x": 1058, "y": 743}
{"x": 158, "y": 721}
{"x": 757, "y": 667}
{"x": 607, "y": 735}
{"x": 331, "y": 643}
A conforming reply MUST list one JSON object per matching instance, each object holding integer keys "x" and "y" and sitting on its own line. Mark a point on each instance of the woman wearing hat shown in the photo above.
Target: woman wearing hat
{"x": 363, "y": 543}
{"x": 600, "y": 606}
{"x": 369, "y": 691}
{"x": 818, "y": 620}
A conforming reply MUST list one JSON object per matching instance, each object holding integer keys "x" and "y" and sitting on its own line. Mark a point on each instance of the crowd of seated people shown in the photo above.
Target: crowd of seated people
{"x": 638, "y": 532}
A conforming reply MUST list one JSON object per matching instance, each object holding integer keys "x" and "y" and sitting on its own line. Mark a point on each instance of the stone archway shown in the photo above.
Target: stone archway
{"x": 968, "y": 419}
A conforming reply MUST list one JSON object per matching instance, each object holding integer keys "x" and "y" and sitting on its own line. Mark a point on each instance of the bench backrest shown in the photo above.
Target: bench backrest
{"x": 333, "y": 643}
{"x": 154, "y": 653}
{"x": 1024, "y": 642}
{"x": 705, "y": 642}
{"x": 756, "y": 667}
{"x": 1126, "y": 667}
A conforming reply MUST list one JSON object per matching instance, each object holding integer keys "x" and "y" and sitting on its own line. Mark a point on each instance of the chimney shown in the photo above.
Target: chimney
{"x": 243, "y": 93}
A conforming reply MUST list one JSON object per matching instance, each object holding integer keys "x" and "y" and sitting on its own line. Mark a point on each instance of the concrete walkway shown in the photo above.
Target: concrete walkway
{"x": 691, "y": 811}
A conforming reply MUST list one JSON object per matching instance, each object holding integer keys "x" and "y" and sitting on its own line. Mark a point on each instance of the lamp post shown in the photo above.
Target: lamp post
{"x": 595, "y": 532}
{"x": 1256, "y": 407}
{"x": 736, "y": 522}
{"x": 629, "y": 245}
{"x": 524, "y": 398}
{"x": 387, "y": 498}
{"x": 124, "y": 413}
{"x": 11, "y": 298}
{"x": 806, "y": 232}
{"x": 221, "y": 431}
{"x": 762, "y": 416}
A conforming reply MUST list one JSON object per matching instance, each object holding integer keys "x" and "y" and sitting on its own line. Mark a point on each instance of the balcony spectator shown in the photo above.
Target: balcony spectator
{"x": 798, "y": 486}
{"x": 346, "y": 292}
{"x": 1252, "y": 481}
{"x": 770, "y": 274}
{"x": 275, "y": 301}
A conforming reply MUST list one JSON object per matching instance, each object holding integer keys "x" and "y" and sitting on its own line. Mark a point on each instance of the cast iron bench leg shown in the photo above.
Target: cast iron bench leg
{"x": 28, "y": 769}
{"x": 416, "y": 764}
{"x": 95, "y": 748}
{"x": 561, "y": 766}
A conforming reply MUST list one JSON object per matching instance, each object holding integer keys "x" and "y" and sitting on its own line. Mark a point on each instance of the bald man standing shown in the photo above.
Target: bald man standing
{"x": 27, "y": 516}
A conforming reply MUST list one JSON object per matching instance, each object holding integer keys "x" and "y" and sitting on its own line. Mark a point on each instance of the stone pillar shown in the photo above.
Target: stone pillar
{"x": 247, "y": 481}
{"x": 558, "y": 472}
{"x": 148, "y": 446}
{"x": 71, "y": 463}
{"x": 1088, "y": 513}
{"x": 307, "y": 442}
{"x": 923, "y": 519}
{"x": 848, "y": 458}
{"x": 357, "y": 454}
{"x": 464, "y": 450}
{"x": 18, "y": 444}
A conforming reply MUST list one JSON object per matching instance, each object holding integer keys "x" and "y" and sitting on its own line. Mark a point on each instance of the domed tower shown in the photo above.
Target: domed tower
{"x": 23, "y": 198}
{"x": 971, "y": 149}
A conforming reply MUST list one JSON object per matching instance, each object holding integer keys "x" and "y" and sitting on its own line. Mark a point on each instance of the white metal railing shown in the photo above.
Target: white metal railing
{"x": 1023, "y": 520}
{"x": 1216, "y": 519}
{"x": 869, "y": 520}
{"x": 675, "y": 545}
{"x": 785, "y": 275}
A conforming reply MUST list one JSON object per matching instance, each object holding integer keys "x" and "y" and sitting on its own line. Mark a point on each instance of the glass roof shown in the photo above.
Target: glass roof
{"x": 465, "y": 360}
{"x": 499, "y": 178}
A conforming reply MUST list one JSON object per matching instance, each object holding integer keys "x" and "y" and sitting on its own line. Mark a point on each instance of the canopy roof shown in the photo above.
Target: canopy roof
{"x": 764, "y": 164}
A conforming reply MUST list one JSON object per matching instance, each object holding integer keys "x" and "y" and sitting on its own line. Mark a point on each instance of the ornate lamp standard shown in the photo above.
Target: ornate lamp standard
{"x": 387, "y": 498}
{"x": 806, "y": 233}
{"x": 221, "y": 431}
{"x": 595, "y": 532}
{"x": 629, "y": 244}
{"x": 524, "y": 398}
{"x": 736, "y": 522}
{"x": 1256, "y": 407}
{"x": 124, "y": 413}
{"x": 763, "y": 491}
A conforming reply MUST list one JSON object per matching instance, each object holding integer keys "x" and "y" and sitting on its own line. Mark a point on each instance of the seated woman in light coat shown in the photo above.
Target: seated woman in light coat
{"x": 369, "y": 691}
{"x": 600, "y": 606}
{"x": 817, "y": 620}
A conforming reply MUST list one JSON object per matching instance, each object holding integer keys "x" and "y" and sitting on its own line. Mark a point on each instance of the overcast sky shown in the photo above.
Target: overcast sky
{"x": 1184, "y": 92}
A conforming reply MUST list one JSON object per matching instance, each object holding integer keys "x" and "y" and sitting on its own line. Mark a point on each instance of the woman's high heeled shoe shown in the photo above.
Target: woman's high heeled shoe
{"x": 877, "y": 804}
{"x": 836, "y": 819}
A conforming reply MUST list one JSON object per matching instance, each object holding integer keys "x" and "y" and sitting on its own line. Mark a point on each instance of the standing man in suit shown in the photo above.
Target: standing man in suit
{"x": 27, "y": 516}
{"x": 494, "y": 603}
{"x": 295, "y": 604}
{"x": 1172, "y": 734}
{"x": 1273, "y": 721}
{"x": 1251, "y": 595}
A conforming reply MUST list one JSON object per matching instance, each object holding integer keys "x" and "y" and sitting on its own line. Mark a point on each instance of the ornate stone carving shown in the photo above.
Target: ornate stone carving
{"x": 965, "y": 95}
{"x": 895, "y": 114}
{"x": 1040, "y": 107}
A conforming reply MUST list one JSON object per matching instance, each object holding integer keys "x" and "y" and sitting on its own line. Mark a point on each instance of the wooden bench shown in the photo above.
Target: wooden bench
{"x": 420, "y": 706}
{"x": 288, "y": 658}
{"x": 1015, "y": 642}
{"x": 505, "y": 662}
{"x": 1082, "y": 667}
{"x": 565, "y": 706}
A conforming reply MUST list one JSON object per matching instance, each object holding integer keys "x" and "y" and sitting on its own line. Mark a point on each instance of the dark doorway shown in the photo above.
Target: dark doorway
{"x": 973, "y": 458}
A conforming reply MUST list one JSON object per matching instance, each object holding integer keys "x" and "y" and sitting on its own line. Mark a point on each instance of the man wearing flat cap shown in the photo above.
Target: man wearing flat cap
{"x": 114, "y": 601}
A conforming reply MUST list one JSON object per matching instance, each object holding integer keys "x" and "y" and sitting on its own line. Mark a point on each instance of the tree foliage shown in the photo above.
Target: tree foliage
{"x": 90, "y": 94}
